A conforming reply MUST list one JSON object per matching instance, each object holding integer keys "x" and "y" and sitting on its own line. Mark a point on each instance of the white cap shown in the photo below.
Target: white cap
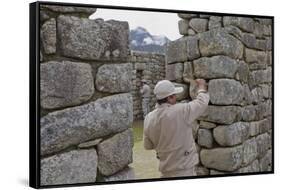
{"x": 165, "y": 88}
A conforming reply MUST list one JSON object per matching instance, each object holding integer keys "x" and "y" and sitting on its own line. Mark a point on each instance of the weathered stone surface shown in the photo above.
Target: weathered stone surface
{"x": 174, "y": 72}
{"x": 224, "y": 159}
{"x": 184, "y": 94}
{"x": 89, "y": 143}
{"x": 200, "y": 171}
{"x": 253, "y": 167}
{"x": 182, "y": 50}
{"x": 199, "y": 24}
{"x": 192, "y": 47}
{"x": 263, "y": 144}
{"x": 69, "y": 168}
{"x": 44, "y": 16}
{"x": 244, "y": 23}
{"x": 216, "y": 172}
{"x": 191, "y": 32}
{"x": 242, "y": 72}
{"x": 247, "y": 94}
{"x": 250, "y": 151}
{"x": 215, "y": 22}
{"x": 114, "y": 78}
{"x": 216, "y": 42}
{"x": 225, "y": 92}
{"x": 215, "y": 67}
{"x": 69, "y": 9}
{"x": 186, "y": 16}
{"x": 205, "y": 138}
{"x": 222, "y": 114}
{"x": 48, "y": 36}
{"x": 183, "y": 27}
{"x": 93, "y": 39}
{"x": 126, "y": 174}
{"x": 257, "y": 95}
{"x": 176, "y": 51}
{"x": 249, "y": 113}
{"x": 259, "y": 77}
{"x": 72, "y": 126}
{"x": 266, "y": 162}
{"x": 140, "y": 66}
{"x": 229, "y": 135}
{"x": 265, "y": 125}
{"x": 254, "y": 128}
{"x": 65, "y": 84}
{"x": 255, "y": 56}
{"x": 187, "y": 72}
{"x": 207, "y": 125}
{"x": 115, "y": 153}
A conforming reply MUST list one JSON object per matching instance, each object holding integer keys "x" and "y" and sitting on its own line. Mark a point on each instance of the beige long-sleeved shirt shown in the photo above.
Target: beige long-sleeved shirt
{"x": 145, "y": 91}
{"x": 168, "y": 130}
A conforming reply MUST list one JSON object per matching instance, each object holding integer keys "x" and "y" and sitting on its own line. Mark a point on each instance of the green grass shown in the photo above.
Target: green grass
{"x": 144, "y": 163}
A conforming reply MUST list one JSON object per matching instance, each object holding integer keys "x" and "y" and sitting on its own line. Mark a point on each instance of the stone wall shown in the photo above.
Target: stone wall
{"x": 85, "y": 94}
{"x": 149, "y": 67}
{"x": 234, "y": 55}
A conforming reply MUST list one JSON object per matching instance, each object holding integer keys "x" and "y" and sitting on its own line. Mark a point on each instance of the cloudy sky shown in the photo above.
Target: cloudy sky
{"x": 156, "y": 23}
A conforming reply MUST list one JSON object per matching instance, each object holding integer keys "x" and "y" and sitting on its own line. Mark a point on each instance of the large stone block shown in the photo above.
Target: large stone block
{"x": 215, "y": 67}
{"x": 215, "y": 22}
{"x": 115, "y": 153}
{"x": 229, "y": 135}
{"x": 114, "y": 78}
{"x": 65, "y": 84}
{"x": 69, "y": 168}
{"x": 205, "y": 138}
{"x": 242, "y": 72}
{"x": 183, "y": 27}
{"x": 186, "y": 16}
{"x": 253, "y": 167}
{"x": 223, "y": 159}
{"x": 69, "y": 9}
{"x": 72, "y": 126}
{"x": 244, "y": 23}
{"x": 263, "y": 144}
{"x": 255, "y": 56}
{"x": 266, "y": 162}
{"x": 259, "y": 77}
{"x": 250, "y": 151}
{"x": 187, "y": 72}
{"x": 174, "y": 72}
{"x": 219, "y": 42}
{"x": 225, "y": 92}
{"x": 199, "y": 24}
{"x": 182, "y": 50}
{"x": 222, "y": 114}
{"x": 48, "y": 36}
{"x": 93, "y": 39}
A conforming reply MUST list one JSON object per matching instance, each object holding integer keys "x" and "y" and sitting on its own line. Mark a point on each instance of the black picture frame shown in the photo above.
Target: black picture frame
{"x": 34, "y": 91}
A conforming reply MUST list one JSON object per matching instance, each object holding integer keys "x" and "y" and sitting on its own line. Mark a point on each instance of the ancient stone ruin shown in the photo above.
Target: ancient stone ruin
{"x": 90, "y": 83}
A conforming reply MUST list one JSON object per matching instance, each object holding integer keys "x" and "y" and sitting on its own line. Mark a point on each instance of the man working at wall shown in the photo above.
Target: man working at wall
{"x": 168, "y": 129}
{"x": 145, "y": 92}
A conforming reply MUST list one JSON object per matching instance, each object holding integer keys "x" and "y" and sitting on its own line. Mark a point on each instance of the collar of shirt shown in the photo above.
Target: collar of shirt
{"x": 162, "y": 105}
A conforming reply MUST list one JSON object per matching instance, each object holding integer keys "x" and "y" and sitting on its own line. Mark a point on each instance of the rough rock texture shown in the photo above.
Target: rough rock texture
{"x": 225, "y": 91}
{"x": 48, "y": 36}
{"x": 199, "y": 24}
{"x": 244, "y": 23}
{"x": 263, "y": 144}
{"x": 250, "y": 151}
{"x": 205, "y": 138}
{"x": 71, "y": 126}
{"x": 187, "y": 71}
{"x": 215, "y": 67}
{"x": 229, "y": 135}
{"x": 225, "y": 159}
{"x": 69, "y": 9}
{"x": 115, "y": 153}
{"x": 69, "y": 168}
{"x": 126, "y": 174}
{"x": 93, "y": 39}
{"x": 218, "y": 42}
{"x": 183, "y": 27}
{"x": 174, "y": 72}
{"x": 71, "y": 84}
{"x": 114, "y": 78}
{"x": 186, "y": 16}
{"x": 221, "y": 114}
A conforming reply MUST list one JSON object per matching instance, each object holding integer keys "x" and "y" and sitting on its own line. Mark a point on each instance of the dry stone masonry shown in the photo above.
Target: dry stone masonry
{"x": 90, "y": 93}
{"x": 86, "y": 76}
{"x": 234, "y": 55}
